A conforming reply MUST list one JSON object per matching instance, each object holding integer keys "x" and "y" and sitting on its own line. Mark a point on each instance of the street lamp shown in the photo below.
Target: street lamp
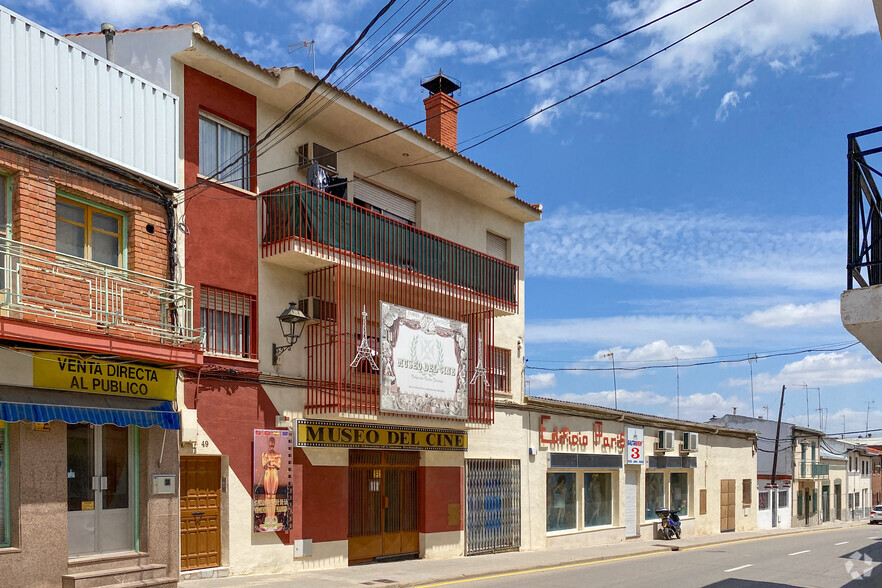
{"x": 288, "y": 321}
{"x": 612, "y": 356}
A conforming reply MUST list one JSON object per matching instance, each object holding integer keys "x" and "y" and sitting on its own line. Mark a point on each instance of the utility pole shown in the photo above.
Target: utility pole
{"x": 808, "y": 421}
{"x": 750, "y": 361}
{"x": 676, "y": 359}
{"x": 612, "y": 356}
{"x": 867, "y": 430}
{"x": 775, "y": 455}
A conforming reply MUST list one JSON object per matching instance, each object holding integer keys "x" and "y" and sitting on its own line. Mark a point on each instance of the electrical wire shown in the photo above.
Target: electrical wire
{"x": 505, "y": 127}
{"x": 692, "y": 364}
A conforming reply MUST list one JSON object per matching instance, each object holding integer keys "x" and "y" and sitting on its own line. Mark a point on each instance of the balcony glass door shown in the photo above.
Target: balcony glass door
{"x": 99, "y": 489}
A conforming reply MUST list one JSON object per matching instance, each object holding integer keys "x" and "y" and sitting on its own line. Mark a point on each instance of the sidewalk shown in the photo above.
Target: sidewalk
{"x": 430, "y": 571}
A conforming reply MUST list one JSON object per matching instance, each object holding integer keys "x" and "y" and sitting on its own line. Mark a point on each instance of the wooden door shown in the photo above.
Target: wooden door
{"x": 200, "y": 512}
{"x": 383, "y": 504}
{"x": 727, "y": 505}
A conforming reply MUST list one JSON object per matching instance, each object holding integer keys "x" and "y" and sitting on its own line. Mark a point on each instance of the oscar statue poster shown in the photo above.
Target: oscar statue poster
{"x": 272, "y": 480}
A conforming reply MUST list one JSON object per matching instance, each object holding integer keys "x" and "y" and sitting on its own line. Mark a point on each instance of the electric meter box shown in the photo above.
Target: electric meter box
{"x": 164, "y": 484}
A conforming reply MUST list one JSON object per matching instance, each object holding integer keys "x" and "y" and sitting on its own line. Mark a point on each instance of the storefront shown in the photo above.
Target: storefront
{"x": 89, "y": 447}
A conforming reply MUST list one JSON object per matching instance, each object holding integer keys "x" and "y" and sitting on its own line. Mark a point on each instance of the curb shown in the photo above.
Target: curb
{"x": 651, "y": 549}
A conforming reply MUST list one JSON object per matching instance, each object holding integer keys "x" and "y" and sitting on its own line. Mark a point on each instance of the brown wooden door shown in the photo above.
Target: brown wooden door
{"x": 727, "y": 505}
{"x": 383, "y": 504}
{"x": 200, "y": 512}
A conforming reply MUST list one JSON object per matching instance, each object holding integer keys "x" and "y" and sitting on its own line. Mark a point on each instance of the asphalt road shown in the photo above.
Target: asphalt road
{"x": 844, "y": 557}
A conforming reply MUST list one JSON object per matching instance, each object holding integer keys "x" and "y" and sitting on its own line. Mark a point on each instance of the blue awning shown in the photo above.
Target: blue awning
{"x": 43, "y": 406}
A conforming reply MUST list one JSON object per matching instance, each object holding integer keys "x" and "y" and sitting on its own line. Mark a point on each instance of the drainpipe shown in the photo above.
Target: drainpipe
{"x": 108, "y": 30}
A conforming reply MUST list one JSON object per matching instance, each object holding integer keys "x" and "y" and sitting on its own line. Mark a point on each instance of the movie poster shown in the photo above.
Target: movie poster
{"x": 272, "y": 480}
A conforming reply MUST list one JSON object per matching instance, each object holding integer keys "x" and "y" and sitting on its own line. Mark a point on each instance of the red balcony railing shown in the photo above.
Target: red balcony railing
{"x": 297, "y": 217}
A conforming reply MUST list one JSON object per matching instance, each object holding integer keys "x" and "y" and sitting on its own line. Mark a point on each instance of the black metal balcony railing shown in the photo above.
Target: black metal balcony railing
{"x": 298, "y": 214}
{"x": 864, "y": 213}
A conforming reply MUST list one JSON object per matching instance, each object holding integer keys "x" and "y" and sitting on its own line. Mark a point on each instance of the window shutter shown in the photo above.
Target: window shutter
{"x": 497, "y": 246}
{"x": 384, "y": 199}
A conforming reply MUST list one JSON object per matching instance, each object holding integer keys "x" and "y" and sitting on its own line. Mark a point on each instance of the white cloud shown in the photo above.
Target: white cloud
{"x": 693, "y": 407}
{"x": 128, "y": 13}
{"x": 787, "y": 315}
{"x": 540, "y": 382}
{"x": 701, "y": 407}
{"x": 661, "y": 350}
{"x": 730, "y": 100}
{"x": 687, "y": 248}
{"x": 818, "y": 370}
{"x": 544, "y": 119}
{"x": 608, "y": 398}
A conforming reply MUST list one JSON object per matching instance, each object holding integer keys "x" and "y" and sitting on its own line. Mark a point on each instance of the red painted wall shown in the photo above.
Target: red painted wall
{"x": 438, "y": 488}
{"x": 229, "y": 411}
{"x": 222, "y": 248}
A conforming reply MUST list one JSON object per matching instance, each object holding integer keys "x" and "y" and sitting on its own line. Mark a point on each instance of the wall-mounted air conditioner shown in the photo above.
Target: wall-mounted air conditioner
{"x": 318, "y": 309}
{"x": 665, "y": 441}
{"x": 690, "y": 441}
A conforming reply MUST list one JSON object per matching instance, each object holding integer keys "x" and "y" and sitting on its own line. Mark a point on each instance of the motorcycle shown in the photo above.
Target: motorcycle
{"x": 670, "y": 523}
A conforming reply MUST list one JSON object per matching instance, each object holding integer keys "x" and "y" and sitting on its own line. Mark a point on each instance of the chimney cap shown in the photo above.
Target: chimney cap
{"x": 440, "y": 83}
{"x": 108, "y": 29}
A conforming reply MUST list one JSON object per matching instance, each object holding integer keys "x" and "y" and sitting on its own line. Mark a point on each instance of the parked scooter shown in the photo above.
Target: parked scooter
{"x": 670, "y": 523}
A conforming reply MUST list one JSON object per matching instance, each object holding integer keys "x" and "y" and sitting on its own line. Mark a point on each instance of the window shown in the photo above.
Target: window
{"x": 4, "y": 486}
{"x": 598, "y": 500}
{"x": 5, "y": 202}
{"x": 221, "y": 145}
{"x": 783, "y": 500}
{"x": 497, "y": 246}
{"x": 680, "y": 493}
{"x": 89, "y": 232}
{"x": 763, "y": 499}
{"x": 746, "y": 492}
{"x": 384, "y": 202}
{"x": 227, "y": 319}
{"x": 654, "y": 494}
{"x": 500, "y": 378}
{"x": 560, "y": 500}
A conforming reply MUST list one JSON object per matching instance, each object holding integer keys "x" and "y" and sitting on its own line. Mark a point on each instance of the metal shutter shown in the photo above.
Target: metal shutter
{"x": 497, "y": 246}
{"x": 385, "y": 200}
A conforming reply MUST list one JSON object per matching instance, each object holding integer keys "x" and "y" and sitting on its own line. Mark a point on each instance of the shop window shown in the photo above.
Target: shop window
{"x": 782, "y": 499}
{"x": 654, "y": 494}
{"x": 4, "y": 486}
{"x": 598, "y": 499}
{"x": 500, "y": 376}
{"x": 227, "y": 319}
{"x": 680, "y": 493}
{"x": 561, "y": 501}
{"x": 763, "y": 499}
{"x": 89, "y": 232}
{"x": 746, "y": 493}
{"x": 223, "y": 146}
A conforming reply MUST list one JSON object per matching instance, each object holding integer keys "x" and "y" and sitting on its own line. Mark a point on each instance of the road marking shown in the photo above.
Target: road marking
{"x": 841, "y": 543}
{"x": 738, "y": 568}
{"x": 800, "y": 552}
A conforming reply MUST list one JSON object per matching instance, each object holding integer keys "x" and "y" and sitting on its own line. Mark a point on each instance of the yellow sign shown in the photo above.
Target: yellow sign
{"x": 103, "y": 377}
{"x": 331, "y": 434}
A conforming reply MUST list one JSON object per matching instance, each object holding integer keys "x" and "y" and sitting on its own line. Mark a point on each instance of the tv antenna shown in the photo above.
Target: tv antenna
{"x": 310, "y": 50}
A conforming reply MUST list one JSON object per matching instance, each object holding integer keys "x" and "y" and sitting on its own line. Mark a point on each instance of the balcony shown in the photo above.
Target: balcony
{"x": 814, "y": 470}
{"x": 43, "y": 286}
{"x": 861, "y": 303}
{"x": 297, "y": 218}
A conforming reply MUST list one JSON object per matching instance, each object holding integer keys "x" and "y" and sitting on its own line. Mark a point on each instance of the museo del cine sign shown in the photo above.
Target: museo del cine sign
{"x": 423, "y": 363}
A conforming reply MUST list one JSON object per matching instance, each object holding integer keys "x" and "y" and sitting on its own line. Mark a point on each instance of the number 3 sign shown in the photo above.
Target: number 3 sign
{"x": 634, "y": 441}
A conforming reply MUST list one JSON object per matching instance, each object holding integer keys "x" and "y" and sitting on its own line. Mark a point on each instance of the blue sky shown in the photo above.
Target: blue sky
{"x": 694, "y": 206}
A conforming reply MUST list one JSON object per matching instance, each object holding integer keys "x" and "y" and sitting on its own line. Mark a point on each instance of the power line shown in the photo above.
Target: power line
{"x": 504, "y": 128}
{"x": 693, "y": 364}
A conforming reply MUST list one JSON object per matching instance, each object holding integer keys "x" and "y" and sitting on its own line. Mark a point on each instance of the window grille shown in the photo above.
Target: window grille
{"x": 228, "y": 322}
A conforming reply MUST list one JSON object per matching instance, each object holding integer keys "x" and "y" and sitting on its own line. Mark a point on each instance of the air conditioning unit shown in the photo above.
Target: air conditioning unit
{"x": 665, "y": 441}
{"x": 690, "y": 442}
{"x": 318, "y": 309}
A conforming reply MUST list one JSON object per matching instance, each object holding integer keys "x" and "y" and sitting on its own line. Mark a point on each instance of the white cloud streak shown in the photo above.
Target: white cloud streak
{"x": 788, "y": 315}
{"x": 541, "y": 382}
{"x": 130, "y": 12}
{"x": 818, "y": 370}
{"x": 730, "y": 100}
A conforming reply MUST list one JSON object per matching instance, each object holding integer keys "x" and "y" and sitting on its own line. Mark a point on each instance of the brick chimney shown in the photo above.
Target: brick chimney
{"x": 441, "y": 109}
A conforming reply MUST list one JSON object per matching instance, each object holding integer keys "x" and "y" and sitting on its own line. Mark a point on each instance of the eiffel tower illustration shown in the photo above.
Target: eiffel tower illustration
{"x": 479, "y": 368}
{"x": 364, "y": 350}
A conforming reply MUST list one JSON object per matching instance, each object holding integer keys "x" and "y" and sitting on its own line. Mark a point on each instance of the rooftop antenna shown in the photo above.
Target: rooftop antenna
{"x": 869, "y": 402}
{"x": 677, "y": 360}
{"x": 766, "y": 408}
{"x": 310, "y": 50}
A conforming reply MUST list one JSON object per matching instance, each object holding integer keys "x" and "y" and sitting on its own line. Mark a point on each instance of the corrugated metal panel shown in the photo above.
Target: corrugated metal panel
{"x": 57, "y": 89}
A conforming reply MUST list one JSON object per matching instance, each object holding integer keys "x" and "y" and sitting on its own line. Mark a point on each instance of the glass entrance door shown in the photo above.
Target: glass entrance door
{"x": 99, "y": 489}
